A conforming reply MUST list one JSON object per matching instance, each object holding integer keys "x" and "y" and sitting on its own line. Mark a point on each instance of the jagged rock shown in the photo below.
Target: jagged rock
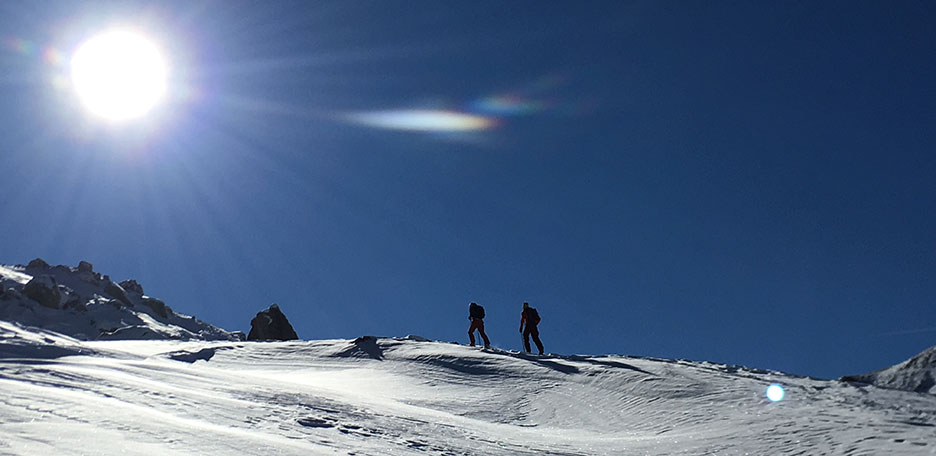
{"x": 74, "y": 303}
{"x": 84, "y": 266}
{"x": 271, "y": 324}
{"x": 132, "y": 286}
{"x": 44, "y": 290}
{"x": 117, "y": 292}
{"x": 157, "y": 305}
{"x": 38, "y": 263}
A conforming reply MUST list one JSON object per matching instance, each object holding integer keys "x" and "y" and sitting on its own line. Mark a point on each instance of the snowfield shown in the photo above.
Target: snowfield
{"x": 377, "y": 396}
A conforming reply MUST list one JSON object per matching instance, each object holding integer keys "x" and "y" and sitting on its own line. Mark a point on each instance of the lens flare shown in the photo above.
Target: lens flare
{"x": 775, "y": 393}
{"x": 22, "y": 46}
{"x": 425, "y": 120}
{"x": 507, "y": 105}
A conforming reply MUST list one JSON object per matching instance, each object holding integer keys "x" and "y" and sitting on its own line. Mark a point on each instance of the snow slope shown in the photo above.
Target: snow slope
{"x": 409, "y": 396}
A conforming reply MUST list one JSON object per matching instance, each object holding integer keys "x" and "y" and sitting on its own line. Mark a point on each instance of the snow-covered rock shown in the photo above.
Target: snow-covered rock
{"x": 916, "y": 374}
{"x": 86, "y": 305}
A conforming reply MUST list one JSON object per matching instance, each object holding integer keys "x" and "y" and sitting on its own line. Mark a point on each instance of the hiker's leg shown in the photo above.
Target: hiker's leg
{"x": 471, "y": 329}
{"x": 487, "y": 342}
{"x": 536, "y": 339}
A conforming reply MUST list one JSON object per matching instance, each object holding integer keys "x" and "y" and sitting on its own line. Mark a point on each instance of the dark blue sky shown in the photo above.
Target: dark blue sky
{"x": 740, "y": 182}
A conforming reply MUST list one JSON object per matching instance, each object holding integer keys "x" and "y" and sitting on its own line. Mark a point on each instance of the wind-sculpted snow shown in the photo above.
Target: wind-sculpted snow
{"x": 376, "y": 396}
{"x": 17, "y": 342}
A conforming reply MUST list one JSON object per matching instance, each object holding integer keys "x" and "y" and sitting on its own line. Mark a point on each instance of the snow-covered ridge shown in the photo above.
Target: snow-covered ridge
{"x": 86, "y": 305}
{"x": 408, "y": 396}
{"x": 916, "y": 374}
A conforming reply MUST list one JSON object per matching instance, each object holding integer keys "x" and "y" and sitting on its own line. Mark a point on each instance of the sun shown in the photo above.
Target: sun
{"x": 119, "y": 75}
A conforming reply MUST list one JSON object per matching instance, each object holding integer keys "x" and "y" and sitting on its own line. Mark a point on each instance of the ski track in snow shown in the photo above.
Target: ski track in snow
{"x": 396, "y": 396}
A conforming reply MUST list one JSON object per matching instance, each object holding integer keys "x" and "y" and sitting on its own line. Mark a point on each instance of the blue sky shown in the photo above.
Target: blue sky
{"x": 741, "y": 182}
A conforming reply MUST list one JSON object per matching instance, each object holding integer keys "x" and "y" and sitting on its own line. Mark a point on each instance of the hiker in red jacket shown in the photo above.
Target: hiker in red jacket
{"x": 476, "y": 315}
{"x": 530, "y": 318}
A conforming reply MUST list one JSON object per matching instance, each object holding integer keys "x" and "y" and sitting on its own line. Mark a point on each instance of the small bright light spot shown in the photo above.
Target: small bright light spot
{"x": 119, "y": 75}
{"x": 775, "y": 393}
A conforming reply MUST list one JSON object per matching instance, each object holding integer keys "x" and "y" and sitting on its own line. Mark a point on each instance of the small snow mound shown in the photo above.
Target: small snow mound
{"x": 363, "y": 347}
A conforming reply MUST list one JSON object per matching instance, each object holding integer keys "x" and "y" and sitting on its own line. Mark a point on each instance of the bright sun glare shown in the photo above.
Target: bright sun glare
{"x": 119, "y": 75}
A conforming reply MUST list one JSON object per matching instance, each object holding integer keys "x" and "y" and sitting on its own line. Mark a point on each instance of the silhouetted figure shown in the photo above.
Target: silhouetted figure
{"x": 530, "y": 318}
{"x": 476, "y": 315}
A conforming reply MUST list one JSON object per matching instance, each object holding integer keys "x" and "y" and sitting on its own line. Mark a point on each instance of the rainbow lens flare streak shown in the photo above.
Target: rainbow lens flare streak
{"x": 426, "y": 120}
{"x": 507, "y": 105}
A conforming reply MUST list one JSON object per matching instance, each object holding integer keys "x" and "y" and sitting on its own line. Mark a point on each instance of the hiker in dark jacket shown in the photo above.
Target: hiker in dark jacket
{"x": 476, "y": 315}
{"x": 530, "y": 318}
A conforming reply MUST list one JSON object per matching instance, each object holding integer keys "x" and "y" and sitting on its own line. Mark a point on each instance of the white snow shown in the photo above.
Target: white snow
{"x": 12, "y": 273}
{"x": 409, "y": 396}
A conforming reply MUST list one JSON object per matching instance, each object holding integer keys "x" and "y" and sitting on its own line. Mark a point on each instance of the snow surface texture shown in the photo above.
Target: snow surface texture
{"x": 86, "y": 305}
{"x": 916, "y": 374}
{"x": 409, "y": 396}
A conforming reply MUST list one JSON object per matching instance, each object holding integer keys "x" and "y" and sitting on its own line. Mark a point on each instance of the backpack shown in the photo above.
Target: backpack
{"x": 532, "y": 316}
{"x": 476, "y": 311}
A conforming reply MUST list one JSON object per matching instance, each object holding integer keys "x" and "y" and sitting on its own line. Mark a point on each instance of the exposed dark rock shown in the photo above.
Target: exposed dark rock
{"x": 132, "y": 286}
{"x": 157, "y": 305}
{"x": 84, "y": 266}
{"x": 44, "y": 290}
{"x": 271, "y": 324}
{"x": 10, "y": 294}
{"x": 38, "y": 263}
{"x": 117, "y": 292}
{"x": 75, "y": 303}
{"x": 204, "y": 354}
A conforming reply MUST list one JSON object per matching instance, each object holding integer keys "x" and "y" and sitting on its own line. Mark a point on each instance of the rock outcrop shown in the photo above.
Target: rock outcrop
{"x": 38, "y": 263}
{"x": 86, "y": 305}
{"x": 44, "y": 290}
{"x": 157, "y": 305}
{"x": 132, "y": 286}
{"x": 117, "y": 292}
{"x": 271, "y": 324}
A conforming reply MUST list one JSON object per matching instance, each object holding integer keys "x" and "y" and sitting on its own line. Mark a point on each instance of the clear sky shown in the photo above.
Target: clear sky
{"x": 741, "y": 182}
